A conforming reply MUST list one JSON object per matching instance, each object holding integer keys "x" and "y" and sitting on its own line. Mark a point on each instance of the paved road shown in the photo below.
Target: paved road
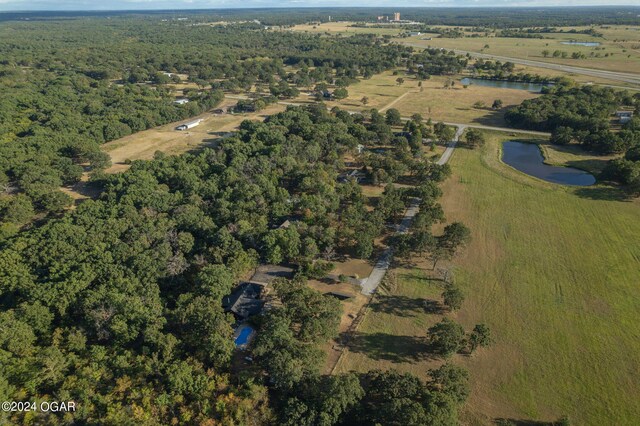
{"x": 591, "y": 72}
{"x": 370, "y": 285}
{"x": 446, "y": 155}
{"x": 499, "y": 129}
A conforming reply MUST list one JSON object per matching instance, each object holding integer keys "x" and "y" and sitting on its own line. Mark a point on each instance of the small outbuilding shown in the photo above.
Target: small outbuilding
{"x": 355, "y": 174}
{"x": 189, "y": 124}
{"x": 624, "y": 116}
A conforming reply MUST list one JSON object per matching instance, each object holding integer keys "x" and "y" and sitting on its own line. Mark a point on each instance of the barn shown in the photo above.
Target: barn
{"x": 189, "y": 125}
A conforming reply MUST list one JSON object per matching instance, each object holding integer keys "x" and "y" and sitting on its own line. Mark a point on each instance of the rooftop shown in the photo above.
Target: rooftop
{"x": 265, "y": 274}
{"x": 245, "y": 301}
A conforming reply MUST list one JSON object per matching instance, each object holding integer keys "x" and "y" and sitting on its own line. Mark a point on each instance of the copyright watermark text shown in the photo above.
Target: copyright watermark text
{"x": 42, "y": 406}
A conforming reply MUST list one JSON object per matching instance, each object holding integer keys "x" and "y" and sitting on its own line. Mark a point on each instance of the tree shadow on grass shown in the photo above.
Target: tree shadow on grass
{"x": 602, "y": 193}
{"x": 417, "y": 276}
{"x": 522, "y": 422}
{"x": 388, "y": 347}
{"x": 403, "y": 306}
{"x": 492, "y": 118}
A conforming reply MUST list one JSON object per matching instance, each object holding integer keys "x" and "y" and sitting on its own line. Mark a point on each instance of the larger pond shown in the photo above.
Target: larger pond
{"x": 582, "y": 43}
{"x": 531, "y": 87}
{"x": 527, "y": 158}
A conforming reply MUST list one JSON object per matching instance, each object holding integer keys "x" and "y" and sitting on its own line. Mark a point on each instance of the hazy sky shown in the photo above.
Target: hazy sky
{"x": 15, "y": 5}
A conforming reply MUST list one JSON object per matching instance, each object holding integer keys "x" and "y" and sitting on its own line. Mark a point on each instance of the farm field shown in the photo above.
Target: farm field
{"x": 621, "y": 43}
{"x": 553, "y": 271}
{"x": 622, "y": 46}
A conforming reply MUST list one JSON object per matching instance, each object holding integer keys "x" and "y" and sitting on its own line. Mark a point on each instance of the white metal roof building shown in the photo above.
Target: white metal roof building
{"x": 189, "y": 124}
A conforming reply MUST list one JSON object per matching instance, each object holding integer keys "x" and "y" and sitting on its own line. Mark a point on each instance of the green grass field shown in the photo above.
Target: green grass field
{"x": 554, "y": 272}
{"x": 619, "y": 43}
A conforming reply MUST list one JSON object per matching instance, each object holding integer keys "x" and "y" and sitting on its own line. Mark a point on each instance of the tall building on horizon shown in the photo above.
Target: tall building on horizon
{"x": 396, "y": 16}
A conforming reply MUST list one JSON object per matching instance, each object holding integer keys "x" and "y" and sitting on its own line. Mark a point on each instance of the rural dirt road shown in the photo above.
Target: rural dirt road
{"x": 370, "y": 285}
{"x": 395, "y": 101}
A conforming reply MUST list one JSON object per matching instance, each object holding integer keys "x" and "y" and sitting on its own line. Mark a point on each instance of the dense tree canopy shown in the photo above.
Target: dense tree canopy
{"x": 582, "y": 114}
{"x": 70, "y": 86}
{"x": 120, "y": 300}
{"x": 117, "y": 304}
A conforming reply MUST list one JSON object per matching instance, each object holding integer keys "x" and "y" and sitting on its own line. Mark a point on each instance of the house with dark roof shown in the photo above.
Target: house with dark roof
{"x": 245, "y": 301}
{"x": 354, "y": 174}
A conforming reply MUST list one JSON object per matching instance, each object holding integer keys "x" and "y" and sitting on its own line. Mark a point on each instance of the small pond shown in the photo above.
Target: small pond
{"x": 531, "y": 87}
{"x": 582, "y": 43}
{"x": 527, "y": 158}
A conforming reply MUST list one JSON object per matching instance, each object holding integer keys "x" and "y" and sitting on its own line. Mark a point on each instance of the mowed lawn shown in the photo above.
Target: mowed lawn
{"x": 393, "y": 332}
{"x": 555, "y": 273}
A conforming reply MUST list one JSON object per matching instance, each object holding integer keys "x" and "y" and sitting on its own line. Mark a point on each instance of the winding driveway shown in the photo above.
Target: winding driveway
{"x": 370, "y": 285}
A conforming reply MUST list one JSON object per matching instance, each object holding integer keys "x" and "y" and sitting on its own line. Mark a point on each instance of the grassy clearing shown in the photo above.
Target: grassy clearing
{"x": 142, "y": 145}
{"x": 434, "y": 100}
{"x": 456, "y": 104}
{"x": 574, "y": 156}
{"x": 393, "y": 332}
{"x": 553, "y": 271}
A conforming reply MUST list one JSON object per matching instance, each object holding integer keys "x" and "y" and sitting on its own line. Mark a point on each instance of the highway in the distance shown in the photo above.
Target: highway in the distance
{"x": 591, "y": 72}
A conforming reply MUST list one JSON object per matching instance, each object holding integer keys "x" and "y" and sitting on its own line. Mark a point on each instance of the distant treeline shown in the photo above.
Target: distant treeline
{"x": 538, "y": 32}
{"x": 490, "y": 17}
{"x": 504, "y": 71}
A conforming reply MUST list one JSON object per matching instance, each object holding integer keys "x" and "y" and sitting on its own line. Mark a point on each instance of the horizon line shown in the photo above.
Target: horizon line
{"x": 324, "y": 7}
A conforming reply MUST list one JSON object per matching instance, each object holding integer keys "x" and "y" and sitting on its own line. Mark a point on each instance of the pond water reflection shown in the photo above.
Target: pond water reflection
{"x": 527, "y": 158}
